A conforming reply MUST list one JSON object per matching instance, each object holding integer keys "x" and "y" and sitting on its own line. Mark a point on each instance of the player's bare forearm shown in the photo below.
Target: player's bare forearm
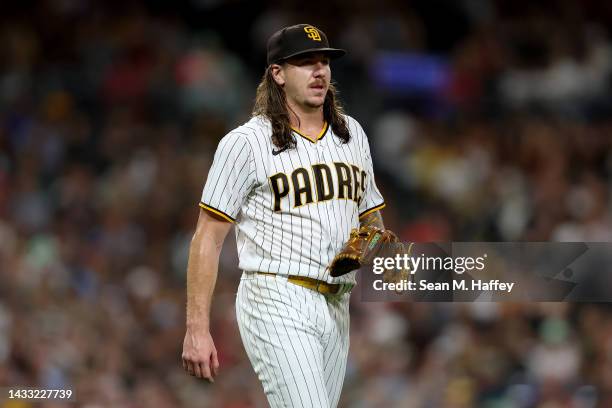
{"x": 199, "y": 352}
{"x": 373, "y": 219}
{"x": 201, "y": 278}
{"x": 202, "y": 269}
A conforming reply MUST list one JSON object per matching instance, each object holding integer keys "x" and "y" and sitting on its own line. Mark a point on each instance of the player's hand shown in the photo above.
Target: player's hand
{"x": 200, "y": 355}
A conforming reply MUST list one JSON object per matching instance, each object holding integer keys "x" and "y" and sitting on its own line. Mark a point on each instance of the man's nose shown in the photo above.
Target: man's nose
{"x": 319, "y": 68}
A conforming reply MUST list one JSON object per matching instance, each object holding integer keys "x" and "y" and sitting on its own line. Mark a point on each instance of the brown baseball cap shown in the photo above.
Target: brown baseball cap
{"x": 299, "y": 39}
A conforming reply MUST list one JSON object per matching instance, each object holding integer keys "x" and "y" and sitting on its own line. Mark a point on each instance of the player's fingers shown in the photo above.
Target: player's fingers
{"x": 196, "y": 370}
{"x": 205, "y": 366}
{"x": 215, "y": 364}
{"x": 189, "y": 368}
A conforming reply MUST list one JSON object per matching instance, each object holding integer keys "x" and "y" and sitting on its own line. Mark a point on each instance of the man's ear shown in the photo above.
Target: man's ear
{"x": 277, "y": 74}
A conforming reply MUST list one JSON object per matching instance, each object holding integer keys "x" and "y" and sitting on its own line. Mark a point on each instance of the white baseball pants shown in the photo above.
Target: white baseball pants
{"x": 297, "y": 340}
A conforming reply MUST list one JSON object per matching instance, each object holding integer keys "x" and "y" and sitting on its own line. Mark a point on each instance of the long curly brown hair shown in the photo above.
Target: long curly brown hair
{"x": 270, "y": 102}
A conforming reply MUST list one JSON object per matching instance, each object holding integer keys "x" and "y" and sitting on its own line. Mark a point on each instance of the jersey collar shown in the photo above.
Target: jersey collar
{"x": 319, "y": 137}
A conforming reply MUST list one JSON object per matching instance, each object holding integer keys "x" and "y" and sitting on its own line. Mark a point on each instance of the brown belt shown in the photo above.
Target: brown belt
{"x": 317, "y": 285}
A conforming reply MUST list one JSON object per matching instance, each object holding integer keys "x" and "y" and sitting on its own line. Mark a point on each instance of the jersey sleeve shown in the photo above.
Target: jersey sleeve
{"x": 372, "y": 200}
{"x": 230, "y": 178}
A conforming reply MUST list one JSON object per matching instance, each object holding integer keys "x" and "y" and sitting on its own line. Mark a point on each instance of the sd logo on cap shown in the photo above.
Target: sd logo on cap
{"x": 291, "y": 42}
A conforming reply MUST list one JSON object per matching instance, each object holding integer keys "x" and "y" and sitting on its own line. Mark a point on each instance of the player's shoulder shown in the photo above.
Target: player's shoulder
{"x": 252, "y": 132}
{"x": 355, "y": 128}
{"x": 350, "y": 120}
{"x": 353, "y": 124}
{"x": 254, "y": 127}
{"x": 249, "y": 133}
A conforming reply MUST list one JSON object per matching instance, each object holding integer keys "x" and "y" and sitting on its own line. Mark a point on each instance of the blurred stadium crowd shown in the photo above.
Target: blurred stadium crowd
{"x": 489, "y": 121}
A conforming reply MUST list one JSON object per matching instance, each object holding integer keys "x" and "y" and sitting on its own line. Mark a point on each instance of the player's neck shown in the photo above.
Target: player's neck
{"x": 305, "y": 119}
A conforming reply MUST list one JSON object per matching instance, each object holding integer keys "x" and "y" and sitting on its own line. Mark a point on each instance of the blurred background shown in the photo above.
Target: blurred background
{"x": 488, "y": 121}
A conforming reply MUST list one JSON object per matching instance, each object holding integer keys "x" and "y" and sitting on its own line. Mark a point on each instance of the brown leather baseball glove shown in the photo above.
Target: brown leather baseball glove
{"x": 363, "y": 244}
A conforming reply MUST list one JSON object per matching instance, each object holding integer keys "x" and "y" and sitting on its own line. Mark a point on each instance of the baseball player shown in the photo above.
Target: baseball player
{"x": 295, "y": 180}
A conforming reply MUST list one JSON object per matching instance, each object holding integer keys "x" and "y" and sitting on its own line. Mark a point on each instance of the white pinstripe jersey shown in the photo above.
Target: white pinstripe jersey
{"x": 295, "y": 209}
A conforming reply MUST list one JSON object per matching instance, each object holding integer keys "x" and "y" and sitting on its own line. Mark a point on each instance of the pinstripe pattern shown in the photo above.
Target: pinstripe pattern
{"x": 310, "y": 235}
{"x": 297, "y": 339}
